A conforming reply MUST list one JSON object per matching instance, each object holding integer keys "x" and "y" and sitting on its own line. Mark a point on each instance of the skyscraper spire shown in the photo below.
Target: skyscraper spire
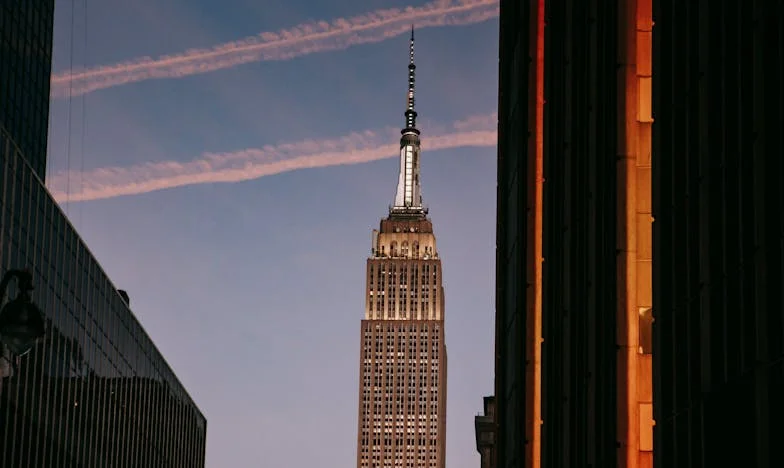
{"x": 408, "y": 200}
{"x": 410, "y": 112}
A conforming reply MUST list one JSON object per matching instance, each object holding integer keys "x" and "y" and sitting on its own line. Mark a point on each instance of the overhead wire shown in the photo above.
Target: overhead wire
{"x": 70, "y": 115}
{"x": 84, "y": 108}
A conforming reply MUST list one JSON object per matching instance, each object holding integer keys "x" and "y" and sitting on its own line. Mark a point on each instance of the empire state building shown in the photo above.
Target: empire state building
{"x": 402, "y": 373}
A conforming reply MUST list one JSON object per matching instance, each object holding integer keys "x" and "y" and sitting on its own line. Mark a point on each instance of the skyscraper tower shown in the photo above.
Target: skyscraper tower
{"x": 402, "y": 373}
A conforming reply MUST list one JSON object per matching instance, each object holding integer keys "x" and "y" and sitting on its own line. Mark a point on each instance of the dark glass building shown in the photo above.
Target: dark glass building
{"x": 95, "y": 391}
{"x": 25, "y": 69}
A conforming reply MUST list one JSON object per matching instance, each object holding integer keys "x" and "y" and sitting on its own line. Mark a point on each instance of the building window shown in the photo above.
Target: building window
{"x": 646, "y": 330}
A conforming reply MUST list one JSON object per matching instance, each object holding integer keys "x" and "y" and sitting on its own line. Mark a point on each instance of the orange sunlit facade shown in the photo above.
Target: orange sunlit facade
{"x": 574, "y": 247}
{"x": 635, "y": 287}
{"x": 534, "y": 246}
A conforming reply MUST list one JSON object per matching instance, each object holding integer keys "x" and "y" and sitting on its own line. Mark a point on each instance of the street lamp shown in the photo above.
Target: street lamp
{"x": 21, "y": 321}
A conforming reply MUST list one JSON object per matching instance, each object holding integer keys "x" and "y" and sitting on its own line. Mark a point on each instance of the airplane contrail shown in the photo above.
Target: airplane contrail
{"x": 248, "y": 164}
{"x": 307, "y": 38}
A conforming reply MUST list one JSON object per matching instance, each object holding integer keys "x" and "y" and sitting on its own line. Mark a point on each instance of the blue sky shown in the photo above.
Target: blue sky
{"x": 253, "y": 289}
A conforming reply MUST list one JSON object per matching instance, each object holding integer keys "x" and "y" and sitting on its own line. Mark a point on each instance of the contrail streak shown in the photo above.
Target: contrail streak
{"x": 307, "y": 38}
{"x": 248, "y": 164}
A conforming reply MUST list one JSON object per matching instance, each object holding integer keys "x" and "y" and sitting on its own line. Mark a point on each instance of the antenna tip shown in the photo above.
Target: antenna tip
{"x": 412, "y": 31}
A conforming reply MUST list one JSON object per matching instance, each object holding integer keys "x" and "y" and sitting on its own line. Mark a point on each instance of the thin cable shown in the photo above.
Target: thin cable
{"x": 84, "y": 107}
{"x": 70, "y": 114}
{"x": 48, "y": 172}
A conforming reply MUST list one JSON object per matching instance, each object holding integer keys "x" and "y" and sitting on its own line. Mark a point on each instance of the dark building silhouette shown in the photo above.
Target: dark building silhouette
{"x": 580, "y": 352}
{"x": 718, "y": 203}
{"x": 516, "y": 405}
{"x": 484, "y": 426}
{"x": 25, "y": 67}
{"x": 613, "y": 114}
{"x": 95, "y": 392}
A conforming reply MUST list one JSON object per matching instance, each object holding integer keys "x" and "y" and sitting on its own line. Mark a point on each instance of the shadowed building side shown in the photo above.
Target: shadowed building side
{"x": 518, "y": 234}
{"x": 579, "y": 376}
{"x": 718, "y": 257}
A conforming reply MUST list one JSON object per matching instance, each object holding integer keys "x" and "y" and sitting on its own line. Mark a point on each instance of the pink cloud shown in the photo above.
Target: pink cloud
{"x": 248, "y": 164}
{"x": 308, "y": 38}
